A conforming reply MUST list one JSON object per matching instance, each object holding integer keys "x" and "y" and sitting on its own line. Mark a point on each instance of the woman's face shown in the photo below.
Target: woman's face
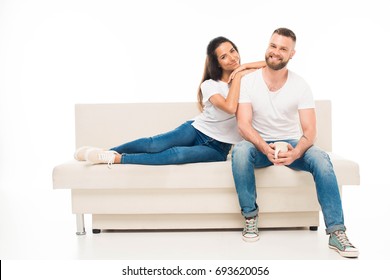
{"x": 228, "y": 57}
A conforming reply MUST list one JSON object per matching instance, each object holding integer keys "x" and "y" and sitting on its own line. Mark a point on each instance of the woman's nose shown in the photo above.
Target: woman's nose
{"x": 232, "y": 57}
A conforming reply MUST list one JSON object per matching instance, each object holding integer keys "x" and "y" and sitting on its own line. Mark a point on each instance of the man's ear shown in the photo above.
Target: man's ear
{"x": 292, "y": 54}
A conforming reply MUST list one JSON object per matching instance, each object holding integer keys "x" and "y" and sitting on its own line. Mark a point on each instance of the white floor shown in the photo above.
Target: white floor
{"x": 36, "y": 224}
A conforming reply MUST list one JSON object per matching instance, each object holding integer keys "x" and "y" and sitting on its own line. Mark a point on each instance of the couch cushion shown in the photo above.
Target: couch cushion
{"x": 81, "y": 175}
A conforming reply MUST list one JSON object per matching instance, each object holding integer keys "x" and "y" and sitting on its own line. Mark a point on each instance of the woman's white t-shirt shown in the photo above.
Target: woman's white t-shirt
{"x": 213, "y": 121}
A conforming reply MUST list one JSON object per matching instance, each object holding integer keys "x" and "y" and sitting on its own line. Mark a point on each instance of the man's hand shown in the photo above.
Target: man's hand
{"x": 284, "y": 158}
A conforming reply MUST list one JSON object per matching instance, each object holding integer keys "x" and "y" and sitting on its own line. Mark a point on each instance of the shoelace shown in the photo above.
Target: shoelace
{"x": 107, "y": 157}
{"x": 343, "y": 239}
{"x": 250, "y": 225}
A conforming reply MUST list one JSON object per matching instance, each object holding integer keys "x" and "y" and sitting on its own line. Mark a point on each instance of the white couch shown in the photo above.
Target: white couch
{"x": 189, "y": 196}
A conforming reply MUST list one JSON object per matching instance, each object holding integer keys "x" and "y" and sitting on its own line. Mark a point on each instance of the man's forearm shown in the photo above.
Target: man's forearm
{"x": 251, "y": 135}
{"x": 305, "y": 142}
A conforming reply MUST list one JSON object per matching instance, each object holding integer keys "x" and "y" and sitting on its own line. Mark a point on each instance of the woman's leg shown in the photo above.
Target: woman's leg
{"x": 185, "y": 144}
{"x": 184, "y": 135}
{"x": 175, "y": 155}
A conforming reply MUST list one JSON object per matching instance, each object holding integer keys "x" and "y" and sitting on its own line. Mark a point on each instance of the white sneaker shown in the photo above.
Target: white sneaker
{"x": 79, "y": 154}
{"x": 251, "y": 230}
{"x": 98, "y": 156}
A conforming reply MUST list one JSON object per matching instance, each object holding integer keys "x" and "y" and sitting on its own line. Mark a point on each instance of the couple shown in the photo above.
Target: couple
{"x": 261, "y": 102}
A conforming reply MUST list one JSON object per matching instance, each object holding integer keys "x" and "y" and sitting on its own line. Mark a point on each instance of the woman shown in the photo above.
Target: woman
{"x": 209, "y": 136}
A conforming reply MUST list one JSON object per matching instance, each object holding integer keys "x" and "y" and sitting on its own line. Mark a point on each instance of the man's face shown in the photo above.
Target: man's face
{"x": 280, "y": 50}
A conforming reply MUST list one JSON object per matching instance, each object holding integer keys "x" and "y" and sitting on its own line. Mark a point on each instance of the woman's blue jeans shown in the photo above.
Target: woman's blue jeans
{"x": 245, "y": 158}
{"x": 185, "y": 144}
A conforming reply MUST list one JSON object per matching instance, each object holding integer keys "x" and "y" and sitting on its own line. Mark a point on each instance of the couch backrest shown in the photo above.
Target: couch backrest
{"x": 108, "y": 125}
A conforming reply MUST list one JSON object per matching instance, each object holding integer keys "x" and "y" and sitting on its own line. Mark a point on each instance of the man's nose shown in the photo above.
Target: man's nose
{"x": 276, "y": 52}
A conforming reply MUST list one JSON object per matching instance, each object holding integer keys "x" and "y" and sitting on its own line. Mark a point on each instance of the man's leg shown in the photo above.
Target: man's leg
{"x": 318, "y": 163}
{"x": 245, "y": 157}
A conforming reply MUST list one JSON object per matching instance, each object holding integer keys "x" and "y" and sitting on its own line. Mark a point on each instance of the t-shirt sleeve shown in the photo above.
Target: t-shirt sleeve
{"x": 244, "y": 94}
{"x": 306, "y": 100}
{"x": 209, "y": 88}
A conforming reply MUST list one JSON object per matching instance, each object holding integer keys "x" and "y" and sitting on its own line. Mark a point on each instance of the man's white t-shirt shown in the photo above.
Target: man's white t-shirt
{"x": 213, "y": 121}
{"x": 275, "y": 114}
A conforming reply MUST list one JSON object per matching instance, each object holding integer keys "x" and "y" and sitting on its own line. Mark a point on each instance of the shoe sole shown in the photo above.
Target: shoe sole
{"x": 250, "y": 239}
{"x": 345, "y": 254}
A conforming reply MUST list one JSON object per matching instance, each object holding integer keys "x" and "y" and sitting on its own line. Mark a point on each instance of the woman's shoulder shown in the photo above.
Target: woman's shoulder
{"x": 210, "y": 82}
{"x": 210, "y": 85}
{"x": 214, "y": 84}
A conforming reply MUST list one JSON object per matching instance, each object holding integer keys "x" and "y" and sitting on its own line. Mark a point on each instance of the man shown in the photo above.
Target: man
{"x": 274, "y": 104}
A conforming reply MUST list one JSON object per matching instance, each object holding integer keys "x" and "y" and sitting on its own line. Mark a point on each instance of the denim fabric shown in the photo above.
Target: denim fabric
{"x": 245, "y": 158}
{"x": 185, "y": 144}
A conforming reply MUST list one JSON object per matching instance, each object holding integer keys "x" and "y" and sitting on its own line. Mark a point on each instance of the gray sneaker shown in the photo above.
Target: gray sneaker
{"x": 338, "y": 241}
{"x": 251, "y": 230}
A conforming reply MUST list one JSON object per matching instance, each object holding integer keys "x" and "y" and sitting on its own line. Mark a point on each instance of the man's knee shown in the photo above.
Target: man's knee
{"x": 318, "y": 158}
{"x": 243, "y": 151}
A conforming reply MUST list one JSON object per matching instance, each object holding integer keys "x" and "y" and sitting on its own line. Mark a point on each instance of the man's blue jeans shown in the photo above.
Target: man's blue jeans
{"x": 245, "y": 158}
{"x": 185, "y": 144}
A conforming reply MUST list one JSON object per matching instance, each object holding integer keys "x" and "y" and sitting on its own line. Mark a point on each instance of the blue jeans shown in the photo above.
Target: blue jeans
{"x": 185, "y": 144}
{"x": 245, "y": 158}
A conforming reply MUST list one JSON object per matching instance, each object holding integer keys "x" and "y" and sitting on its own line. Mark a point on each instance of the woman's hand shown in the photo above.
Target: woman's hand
{"x": 237, "y": 70}
{"x": 252, "y": 66}
{"x": 240, "y": 73}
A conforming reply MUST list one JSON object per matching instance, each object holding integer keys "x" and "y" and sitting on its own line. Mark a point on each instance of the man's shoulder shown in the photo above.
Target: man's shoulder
{"x": 252, "y": 76}
{"x": 294, "y": 75}
{"x": 296, "y": 78}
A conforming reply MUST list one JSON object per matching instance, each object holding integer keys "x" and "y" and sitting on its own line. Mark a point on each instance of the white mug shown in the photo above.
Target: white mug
{"x": 280, "y": 146}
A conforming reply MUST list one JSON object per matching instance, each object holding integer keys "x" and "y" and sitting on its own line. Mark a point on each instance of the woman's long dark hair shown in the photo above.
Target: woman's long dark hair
{"x": 212, "y": 70}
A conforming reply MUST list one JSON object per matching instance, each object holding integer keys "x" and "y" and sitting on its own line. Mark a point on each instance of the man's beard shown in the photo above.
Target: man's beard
{"x": 277, "y": 66}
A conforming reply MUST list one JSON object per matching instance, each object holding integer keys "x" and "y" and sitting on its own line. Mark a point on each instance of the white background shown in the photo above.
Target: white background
{"x": 54, "y": 54}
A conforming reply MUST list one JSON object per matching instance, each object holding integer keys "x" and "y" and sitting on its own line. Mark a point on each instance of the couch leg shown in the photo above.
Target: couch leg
{"x": 313, "y": 228}
{"x": 80, "y": 224}
{"x": 96, "y": 231}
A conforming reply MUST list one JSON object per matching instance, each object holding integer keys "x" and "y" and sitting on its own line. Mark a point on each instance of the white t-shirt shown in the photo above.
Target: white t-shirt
{"x": 213, "y": 121}
{"x": 275, "y": 114}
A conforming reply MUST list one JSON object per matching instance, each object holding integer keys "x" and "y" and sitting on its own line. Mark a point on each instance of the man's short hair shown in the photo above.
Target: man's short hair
{"x": 286, "y": 32}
